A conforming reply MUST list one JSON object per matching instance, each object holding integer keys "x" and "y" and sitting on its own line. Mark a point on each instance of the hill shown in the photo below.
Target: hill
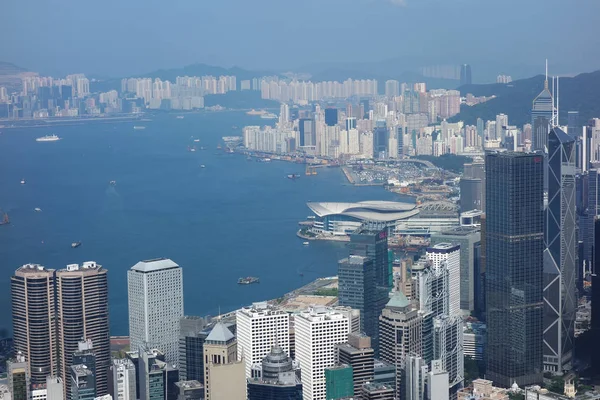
{"x": 205, "y": 69}
{"x": 579, "y": 93}
{"x": 10, "y": 76}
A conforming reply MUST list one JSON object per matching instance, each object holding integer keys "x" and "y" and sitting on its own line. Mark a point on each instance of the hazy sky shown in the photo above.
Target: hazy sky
{"x": 123, "y": 37}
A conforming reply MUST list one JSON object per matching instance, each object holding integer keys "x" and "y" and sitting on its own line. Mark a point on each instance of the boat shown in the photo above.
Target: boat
{"x": 22, "y": 181}
{"x": 219, "y": 147}
{"x": 75, "y": 244}
{"x": 180, "y": 117}
{"x": 113, "y": 183}
{"x": 197, "y": 140}
{"x": 269, "y": 116}
{"x": 37, "y": 209}
{"x": 305, "y": 243}
{"x": 47, "y": 138}
{"x": 202, "y": 148}
{"x": 139, "y": 127}
{"x": 248, "y": 280}
{"x": 5, "y": 219}
{"x": 202, "y": 166}
{"x": 293, "y": 176}
{"x": 301, "y": 274}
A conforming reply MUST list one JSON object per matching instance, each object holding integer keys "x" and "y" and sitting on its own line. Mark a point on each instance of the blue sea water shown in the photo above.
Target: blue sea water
{"x": 233, "y": 218}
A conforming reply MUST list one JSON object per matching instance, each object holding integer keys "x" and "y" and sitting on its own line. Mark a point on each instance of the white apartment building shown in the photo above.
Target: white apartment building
{"x": 155, "y": 291}
{"x": 259, "y": 326}
{"x": 123, "y": 372}
{"x": 318, "y": 330}
{"x": 448, "y": 254}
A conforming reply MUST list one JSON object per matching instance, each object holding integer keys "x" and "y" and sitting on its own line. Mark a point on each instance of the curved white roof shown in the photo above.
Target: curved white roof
{"x": 384, "y": 211}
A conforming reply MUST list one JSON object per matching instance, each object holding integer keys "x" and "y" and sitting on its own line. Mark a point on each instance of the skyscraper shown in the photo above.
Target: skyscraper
{"x": 18, "y": 377}
{"x": 83, "y": 384}
{"x": 514, "y": 267}
{"x": 560, "y": 254}
{"x": 155, "y": 291}
{"x": 34, "y": 320}
{"x": 224, "y": 377}
{"x": 82, "y": 312}
{"x": 357, "y": 289}
{"x": 574, "y": 124}
{"x": 358, "y": 354}
{"x": 157, "y": 378}
{"x": 279, "y": 378}
{"x": 192, "y": 334}
{"x": 447, "y": 255}
{"x": 123, "y": 379}
{"x": 465, "y": 74}
{"x": 318, "y": 330}
{"x": 331, "y": 116}
{"x": 541, "y": 117}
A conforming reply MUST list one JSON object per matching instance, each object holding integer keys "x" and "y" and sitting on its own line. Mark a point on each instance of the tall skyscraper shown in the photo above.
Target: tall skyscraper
{"x": 358, "y": 354}
{"x": 123, "y": 379}
{"x": 447, "y": 255}
{"x": 381, "y": 137}
{"x": 415, "y": 382}
{"x": 392, "y": 88}
{"x": 465, "y": 75}
{"x": 157, "y": 378}
{"x": 34, "y": 320}
{"x": 574, "y": 124}
{"x": 318, "y": 330}
{"x": 541, "y": 116}
{"x": 18, "y": 377}
{"x": 514, "y": 267}
{"x": 357, "y": 289}
{"x": 560, "y": 254}
{"x": 595, "y": 325}
{"x": 259, "y": 327}
{"x": 331, "y": 116}
{"x": 279, "y": 378}
{"x": 82, "y": 312}
{"x": 224, "y": 376}
{"x": 83, "y": 383}
{"x": 192, "y": 334}
{"x": 155, "y": 291}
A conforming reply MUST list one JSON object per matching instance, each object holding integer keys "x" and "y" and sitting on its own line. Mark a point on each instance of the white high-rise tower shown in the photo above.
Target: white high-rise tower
{"x": 155, "y": 289}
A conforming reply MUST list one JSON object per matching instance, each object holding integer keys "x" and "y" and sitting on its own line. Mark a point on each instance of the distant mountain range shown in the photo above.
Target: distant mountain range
{"x": 579, "y": 93}
{"x": 10, "y": 75}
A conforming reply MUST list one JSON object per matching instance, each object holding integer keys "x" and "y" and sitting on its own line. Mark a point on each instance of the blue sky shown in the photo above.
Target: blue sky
{"x": 123, "y": 37}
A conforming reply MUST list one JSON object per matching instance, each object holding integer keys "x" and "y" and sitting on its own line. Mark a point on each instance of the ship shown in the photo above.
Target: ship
{"x": 37, "y": 209}
{"x": 293, "y": 176}
{"x": 269, "y": 116}
{"x": 248, "y": 280}
{"x": 202, "y": 166}
{"x": 47, "y": 138}
{"x": 180, "y": 117}
{"x": 139, "y": 127}
{"x": 197, "y": 140}
{"x": 113, "y": 183}
{"x": 75, "y": 244}
{"x": 22, "y": 181}
{"x": 305, "y": 243}
{"x": 5, "y": 219}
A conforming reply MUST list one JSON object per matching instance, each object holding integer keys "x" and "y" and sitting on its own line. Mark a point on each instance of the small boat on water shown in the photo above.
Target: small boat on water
{"x": 197, "y": 140}
{"x": 293, "y": 176}
{"x": 22, "y": 181}
{"x": 113, "y": 183}
{"x": 139, "y": 127}
{"x": 248, "y": 280}
{"x": 305, "y": 243}
{"x": 5, "y": 220}
{"x": 180, "y": 117}
{"x": 37, "y": 209}
{"x": 202, "y": 166}
{"x": 75, "y": 245}
{"x": 47, "y": 138}
{"x": 202, "y": 148}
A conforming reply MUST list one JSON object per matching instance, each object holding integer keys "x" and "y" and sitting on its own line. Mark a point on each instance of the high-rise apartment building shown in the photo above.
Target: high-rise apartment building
{"x": 514, "y": 267}
{"x": 82, "y": 312}
{"x": 155, "y": 291}
{"x": 560, "y": 254}
{"x": 358, "y": 354}
{"x": 123, "y": 379}
{"x": 259, "y": 327}
{"x": 465, "y": 75}
{"x": 34, "y": 320}
{"x": 318, "y": 330}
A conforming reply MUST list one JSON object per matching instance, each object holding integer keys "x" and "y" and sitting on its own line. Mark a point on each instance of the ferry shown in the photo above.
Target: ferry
{"x": 293, "y": 176}
{"x": 197, "y": 140}
{"x": 202, "y": 166}
{"x": 180, "y": 117}
{"x": 22, "y": 181}
{"x": 269, "y": 116}
{"x": 305, "y": 243}
{"x": 139, "y": 127}
{"x": 47, "y": 138}
{"x": 75, "y": 245}
{"x": 248, "y": 280}
{"x": 113, "y": 183}
{"x": 37, "y": 209}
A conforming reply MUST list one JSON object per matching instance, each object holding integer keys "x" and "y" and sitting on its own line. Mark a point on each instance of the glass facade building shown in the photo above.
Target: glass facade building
{"x": 338, "y": 382}
{"x": 514, "y": 267}
{"x": 357, "y": 289}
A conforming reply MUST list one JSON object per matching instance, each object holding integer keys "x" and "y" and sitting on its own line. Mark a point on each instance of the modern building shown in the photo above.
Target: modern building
{"x": 541, "y": 117}
{"x": 155, "y": 291}
{"x": 595, "y": 301}
{"x": 18, "y": 377}
{"x": 474, "y": 340}
{"x": 157, "y": 378}
{"x": 437, "y": 382}
{"x": 259, "y": 327}
{"x": 357, "y": 289}
{"x": 279, "y": 378}
{"x": 514, "y": 240}
{"x": 224, "y": 376}
{"x": 82, "y": 312}
{"x": 469, "y": 240}
{"x": 447, "y": 255}
{"x": 54, "y": 388}
{"x": 470, "y": 194}
{"x": 318, "y": 330}
{"x": 384, "y": 373}
{"x": 34, "y": 320}
{"x": 465, "y": 75}
{"x": 377, "y": 391}
{"x": 123, "y": 379}
{"x": 338, "y": 382}
{"x": 448, "y": 349}
{"x": 83, "y": 383}
{"x": 560, "y": 254}
{"x": 358, "y": 354}
{"x": 400, "y": 328}
{"x": 415, "y": 382}
{"x": 192, "y": 334}
{"x": 331, "y": 116}
{"x": 85, "y": 356}
{"x": 190, "y": 390}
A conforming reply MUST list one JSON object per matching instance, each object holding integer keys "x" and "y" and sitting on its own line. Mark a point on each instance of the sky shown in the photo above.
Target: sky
{"x": 127, "y": 37}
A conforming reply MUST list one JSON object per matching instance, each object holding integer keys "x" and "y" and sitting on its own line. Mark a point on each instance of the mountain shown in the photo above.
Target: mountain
{"x": 10, "y": 76}
{"x": 579, "y": 93}
{"x": 204, "y": 69}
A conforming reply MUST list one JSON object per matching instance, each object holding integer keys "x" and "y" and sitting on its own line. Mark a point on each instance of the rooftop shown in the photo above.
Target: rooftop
{"x": 33, "y": 270}
{"x": 156, "y": 264}
{"x": 189, "y": 385}
{"x": 220, "y": 333}
{"x": 86, "y": 267}
{"x": 398, "y": 300}
{"x": 383, "y": 211}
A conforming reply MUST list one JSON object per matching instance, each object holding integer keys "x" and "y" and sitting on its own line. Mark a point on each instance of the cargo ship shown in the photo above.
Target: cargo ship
{"x": 248, "y": 280}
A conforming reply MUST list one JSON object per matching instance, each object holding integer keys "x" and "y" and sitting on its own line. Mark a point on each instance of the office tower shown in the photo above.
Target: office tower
{"x": 259, "y": 327}
{"x": 574, "y": 124}
{"x": 392, "y": 88}
{"x": 331, "y": 116}
{"x": 358, "y": 354}
{"x": 380, "y": 139}
{"x": 475, "y": 171}
{"x": 192, "y": 334}
{"x": 470, "y": 194}
{"x": 560, "y": 254}
{"x": 514, "y": 267}
{"x": 448, "y": 349}
{"x": 83, "y": 383}
{"x": 338, "y": 382}
{"x": 481, "y": 131}
{"x": 318, "y": 330}
{"x": 357, "y": 289}
{"x": 190, "y": 390}
{"x": 465, "y": 74}
{"x": 34, "y": 320}
{"x": 447, "y": 255}
{"x": 224, "y": 375}
{"x": 155, "y": 291}
{"x": 284, "y": 114}
{"x": 469, "y": 240}
{"x": 54, "y": 388}
{"x": 136, "y": 359}
{"x": 400, "y": 136}
{"x": 350, "y": 123}
{"x": 157, "y": 378}
{"x": 415, "y": 382}
{"x": 377, "y": 391}
{"x": 18, "y": 377}
{"x": 279, "y": 378}
{"x": 82, "y": 312}
{"x": 84, "y": 357}
{"x": 400, "y": 328}
{"x": 123, "y": 379}
{"x": 541, "y": 116}
{"x": 306, "y": 127}
{"x": 595, "y": 300}
{"x": 474, "y": 340}
{"x": 437, "y": 382}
